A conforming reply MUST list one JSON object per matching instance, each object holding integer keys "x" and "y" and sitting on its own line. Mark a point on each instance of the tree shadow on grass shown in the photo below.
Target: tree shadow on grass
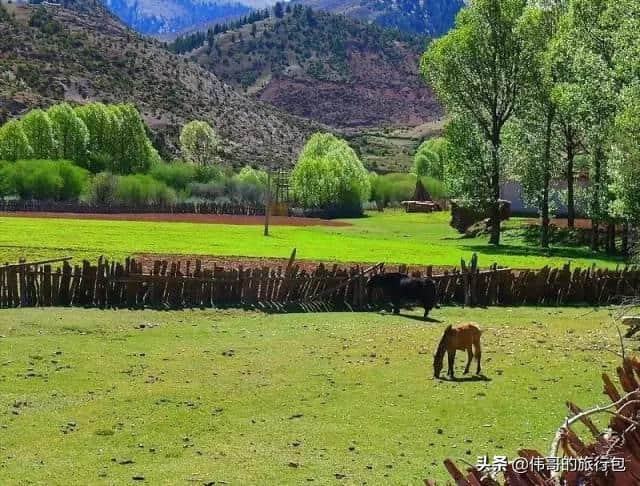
{"x": 515, "y": 250}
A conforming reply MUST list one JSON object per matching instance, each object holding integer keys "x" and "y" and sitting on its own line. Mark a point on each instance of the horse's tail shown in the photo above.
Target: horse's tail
{"x": 476, "y": 339}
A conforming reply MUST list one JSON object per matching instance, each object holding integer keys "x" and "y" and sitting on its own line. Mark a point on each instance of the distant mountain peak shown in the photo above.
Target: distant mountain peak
{"x": 168, "y": 17}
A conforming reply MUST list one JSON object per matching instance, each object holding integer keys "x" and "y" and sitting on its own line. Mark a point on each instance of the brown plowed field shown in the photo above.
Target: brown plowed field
{"x": 208, "y": 261}
{"x": 182, "y": 218}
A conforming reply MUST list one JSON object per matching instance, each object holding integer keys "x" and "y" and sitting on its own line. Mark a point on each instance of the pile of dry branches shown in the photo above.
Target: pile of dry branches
{"x": 619, "y": 442}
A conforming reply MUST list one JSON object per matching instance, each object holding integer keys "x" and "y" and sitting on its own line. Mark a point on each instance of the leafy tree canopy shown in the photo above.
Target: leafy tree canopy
{"x": 39, "y": 130}
{"x": 71, "y": 134}
{"x": 431, "y": 157}
{"x": 199, "y": 143}
{"x": 329, "y": 173}
{"x": 14, "y": 143}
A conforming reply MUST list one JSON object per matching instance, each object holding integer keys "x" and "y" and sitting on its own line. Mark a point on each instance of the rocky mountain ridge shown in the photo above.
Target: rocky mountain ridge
{"x": 81, "y": 53}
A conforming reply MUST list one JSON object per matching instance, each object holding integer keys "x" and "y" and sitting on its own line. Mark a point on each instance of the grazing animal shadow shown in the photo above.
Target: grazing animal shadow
{"x": 466, "y": 379}
{"x": 464, "y": 338}
{"x": 399, "y": 288}
{"x": 421, "y": 319}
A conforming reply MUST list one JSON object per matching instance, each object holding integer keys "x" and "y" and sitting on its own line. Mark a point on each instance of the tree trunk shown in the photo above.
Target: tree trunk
{"x": 611, "y": 238}
{"x": 595, "y": 235}
{"x": 495, "y": 188}
{"x": 571, "y": 203}
{"x": 544, "y": 233}
{"x": 625, "y": 238}
{"x": 495, "y": 223}
{"x": 595, "y": 189}
{"x": 267, "y": 204}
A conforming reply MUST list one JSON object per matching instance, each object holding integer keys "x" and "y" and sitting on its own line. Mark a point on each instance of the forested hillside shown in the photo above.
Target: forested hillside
{"x": 82, "y": 53}
{"x": 431, "y": 17}
{"x": 326, "y": 67}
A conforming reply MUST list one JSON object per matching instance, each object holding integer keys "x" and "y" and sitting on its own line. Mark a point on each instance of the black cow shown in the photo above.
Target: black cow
{"x": 399, "y": 288}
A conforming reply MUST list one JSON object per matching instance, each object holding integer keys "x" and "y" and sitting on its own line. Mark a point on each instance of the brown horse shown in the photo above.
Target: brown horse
{"x": 465, "y": 337}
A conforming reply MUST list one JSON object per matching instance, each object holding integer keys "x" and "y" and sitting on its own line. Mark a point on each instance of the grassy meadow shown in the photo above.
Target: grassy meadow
{"x": 392, "y": 237}
{"x": 232, "y": 397}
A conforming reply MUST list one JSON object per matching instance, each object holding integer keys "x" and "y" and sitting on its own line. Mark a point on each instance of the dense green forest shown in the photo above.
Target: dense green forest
{"x": 189, "y": 42}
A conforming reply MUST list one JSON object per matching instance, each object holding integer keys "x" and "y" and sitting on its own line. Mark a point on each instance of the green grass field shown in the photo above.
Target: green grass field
{"x": 231, "y": 397}
{"x": 392, "y": 237}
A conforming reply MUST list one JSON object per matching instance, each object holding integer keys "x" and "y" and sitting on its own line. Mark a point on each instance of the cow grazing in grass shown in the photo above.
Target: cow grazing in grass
{"x": 399, "y": 288}
{"x": 465, "y": 337}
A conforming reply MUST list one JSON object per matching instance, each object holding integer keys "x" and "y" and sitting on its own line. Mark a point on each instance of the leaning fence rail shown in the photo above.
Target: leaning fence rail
{"x": 174, "y": 285}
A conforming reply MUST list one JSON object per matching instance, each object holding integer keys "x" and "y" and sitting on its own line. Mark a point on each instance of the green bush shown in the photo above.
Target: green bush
{"x": 242, "y": 188}
{"x": 431, "y": 158}
{"x": 329, "y": 174}
{"x": 210, "y": 191}
{"x": 138, "y": 190}
{"x": 96, "y": 162}
{"x": 249, "y": 175}
{"x": 58, "y": 180}
{"x": 208, "y": 173}
{"x": 249, "y": 186}
{"x": 102, "y": 191}
{"x": 177, "y": 175}
{"x": 436, "y": 187}
{"x": 4, "y": 183}
{"x": 396, "y": 187}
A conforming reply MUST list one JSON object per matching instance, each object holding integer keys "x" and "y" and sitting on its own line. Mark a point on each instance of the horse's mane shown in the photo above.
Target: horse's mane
{"x": 443, "y": 341}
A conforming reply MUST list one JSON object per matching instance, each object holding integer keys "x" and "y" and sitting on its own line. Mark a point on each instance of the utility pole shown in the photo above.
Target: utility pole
{"x": 267, "y": 203}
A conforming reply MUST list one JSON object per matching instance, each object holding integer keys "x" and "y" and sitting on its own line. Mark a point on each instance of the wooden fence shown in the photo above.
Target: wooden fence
{"x": 175, "y": 285}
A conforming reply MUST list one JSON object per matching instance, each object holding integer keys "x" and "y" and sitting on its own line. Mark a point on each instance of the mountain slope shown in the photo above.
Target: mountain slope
{"x": 82, "y": 53}
{"x": 325, "y": 67}
{"x": 431, "y": 17}
{"x": 155, "y": 17}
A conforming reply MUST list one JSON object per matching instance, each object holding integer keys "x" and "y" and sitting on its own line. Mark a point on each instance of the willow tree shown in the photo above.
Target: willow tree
{"x": 431, "y": 157}
{"x": 39, "y": 130}
{"x": 101, "y": 125}
{"x": 480, "y": 70}
{"x": 199, "y": 143}
{"x": 132, "y": 150}
{"x": 14, "y": 144}
{"x": 329, "y": 173}
{"x": 72, "y": 135}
